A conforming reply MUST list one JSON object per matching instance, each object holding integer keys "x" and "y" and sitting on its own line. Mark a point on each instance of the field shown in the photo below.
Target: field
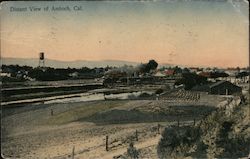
{"x": 54, "y": 130}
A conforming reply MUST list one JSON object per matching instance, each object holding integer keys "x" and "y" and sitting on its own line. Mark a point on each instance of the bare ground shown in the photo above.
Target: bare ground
{"x": 31, "y": 132}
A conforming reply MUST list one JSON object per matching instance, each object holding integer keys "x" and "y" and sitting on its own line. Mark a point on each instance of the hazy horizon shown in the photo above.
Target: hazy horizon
{"x": 192, "y": 33}
{"x": 122, "y": 61}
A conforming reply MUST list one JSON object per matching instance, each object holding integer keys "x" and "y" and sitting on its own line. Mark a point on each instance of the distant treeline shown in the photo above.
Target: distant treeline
{"x": 22, "y": 73}
{"x": 16, "y": 73}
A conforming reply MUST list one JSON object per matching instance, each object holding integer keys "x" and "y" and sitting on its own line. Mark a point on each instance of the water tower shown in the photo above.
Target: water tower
{"x": 41, "y": 60}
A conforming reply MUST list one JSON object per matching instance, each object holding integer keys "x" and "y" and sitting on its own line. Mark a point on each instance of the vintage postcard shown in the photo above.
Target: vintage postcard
{"x": 125, "y": 79}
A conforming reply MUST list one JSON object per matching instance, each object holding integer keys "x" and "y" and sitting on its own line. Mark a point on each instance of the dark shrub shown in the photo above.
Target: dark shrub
{"x": 159, "y": 91}
{"x": 175, "y": 141}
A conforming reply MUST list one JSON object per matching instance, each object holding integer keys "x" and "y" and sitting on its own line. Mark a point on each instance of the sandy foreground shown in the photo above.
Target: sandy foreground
{"x": 32, "y": 132}
{"x": 27, "y": 135}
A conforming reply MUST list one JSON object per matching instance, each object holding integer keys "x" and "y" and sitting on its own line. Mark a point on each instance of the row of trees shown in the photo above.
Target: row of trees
{"x": 50, "y": 74}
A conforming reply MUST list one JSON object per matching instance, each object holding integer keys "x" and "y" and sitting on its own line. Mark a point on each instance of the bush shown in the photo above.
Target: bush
{"x": 159, "y": 91}
{"x": 132, "y": 152}
{"x": 176, "y": 141}
{"x": 217, "y": 136}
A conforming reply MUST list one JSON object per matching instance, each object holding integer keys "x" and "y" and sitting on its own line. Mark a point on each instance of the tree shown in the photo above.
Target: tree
{"x": 151, "y": 65}
{"x": 190, "y": 80}
{"x": 177, "y": 69}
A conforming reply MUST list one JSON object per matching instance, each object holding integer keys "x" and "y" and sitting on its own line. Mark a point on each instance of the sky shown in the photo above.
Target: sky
{"x": 194, "y": 33}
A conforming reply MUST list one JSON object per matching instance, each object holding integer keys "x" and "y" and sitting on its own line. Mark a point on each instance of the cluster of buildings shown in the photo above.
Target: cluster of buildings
{"x": 234, "y": 75}
{"x": 220, "y": 81}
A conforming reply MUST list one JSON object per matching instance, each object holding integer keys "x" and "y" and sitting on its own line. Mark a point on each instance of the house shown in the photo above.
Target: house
{"x": 219, "y": 88}
{"x": 194, "y": 69}
{"x": 74, "y": 74}
{"x": 3, "y": 74}
{"x": 205, "y": 74}
{"x": 159, "y": 74}
{"x": 232, "y": 71}
{"x": 169, "y": 72}
{"x": 224, "y": 88}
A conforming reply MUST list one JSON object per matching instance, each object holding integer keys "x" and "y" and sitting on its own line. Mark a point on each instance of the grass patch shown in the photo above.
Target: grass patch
{"x": 84, "y": 111}
{"x": 125, "y": 117}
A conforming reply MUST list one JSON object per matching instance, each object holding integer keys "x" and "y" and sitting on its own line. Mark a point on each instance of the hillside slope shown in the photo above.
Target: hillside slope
{"x": 65, "y": 64}
{"x": 223, "y": 134}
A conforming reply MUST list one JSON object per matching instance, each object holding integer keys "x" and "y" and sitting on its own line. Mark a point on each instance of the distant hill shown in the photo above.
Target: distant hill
{"x": 64, "y": 64}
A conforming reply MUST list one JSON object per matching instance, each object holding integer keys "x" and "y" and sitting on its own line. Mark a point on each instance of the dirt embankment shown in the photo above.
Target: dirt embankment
{"x": 222, "y": 134}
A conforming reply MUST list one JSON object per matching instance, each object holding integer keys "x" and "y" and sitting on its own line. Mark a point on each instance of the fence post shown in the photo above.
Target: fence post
{"x": 136, "y": 135}
{"x": 194, "y": 121}
{"x": 51, "y": 112}
{"x": 73, "y": 152}
{"x": 158, "y": 128}
{"x": 107, "y": 140}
